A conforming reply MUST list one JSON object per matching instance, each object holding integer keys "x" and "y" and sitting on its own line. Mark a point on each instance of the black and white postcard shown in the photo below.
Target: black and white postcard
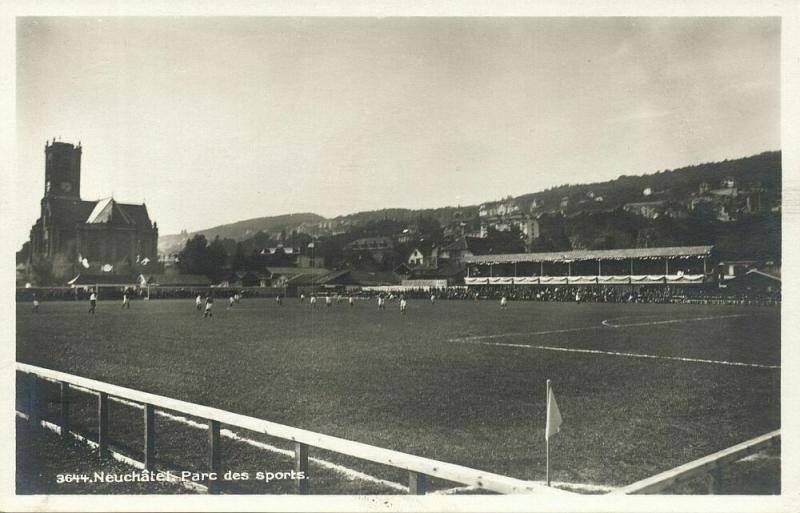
{"x": 346, "y": 256}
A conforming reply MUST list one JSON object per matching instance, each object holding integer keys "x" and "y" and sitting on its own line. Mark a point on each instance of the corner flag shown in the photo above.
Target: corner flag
{"x": 553, "y": 415}
{"x": 553, "y": 424}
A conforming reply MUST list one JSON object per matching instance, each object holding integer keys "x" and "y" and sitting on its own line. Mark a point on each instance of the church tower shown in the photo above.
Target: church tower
{"x": 62, "y": 172}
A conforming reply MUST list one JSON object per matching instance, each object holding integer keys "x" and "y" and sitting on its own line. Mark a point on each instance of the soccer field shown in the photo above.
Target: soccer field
{"x": 641, "y": 388}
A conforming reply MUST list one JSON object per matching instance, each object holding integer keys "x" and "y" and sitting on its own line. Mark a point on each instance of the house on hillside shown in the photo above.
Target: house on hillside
{"x": 648, "y": 209}
{"x": 407, "y": 235}
{"x": 455, "y": 252}
{"x": 424, "y": 254}
{"x": 310, "y": 261}
{"x": 377, "y": 247}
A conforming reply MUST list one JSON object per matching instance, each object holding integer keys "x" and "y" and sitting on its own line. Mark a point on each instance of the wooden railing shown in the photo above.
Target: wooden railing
{"x": 709, "y": 466}
{"x": 418, "y": 468}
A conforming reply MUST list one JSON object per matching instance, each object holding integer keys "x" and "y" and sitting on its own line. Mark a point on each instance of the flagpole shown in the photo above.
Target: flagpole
{"x": 547, "y": 438}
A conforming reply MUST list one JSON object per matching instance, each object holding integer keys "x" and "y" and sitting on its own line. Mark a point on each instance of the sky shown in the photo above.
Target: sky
{"x": 215, "y": 120}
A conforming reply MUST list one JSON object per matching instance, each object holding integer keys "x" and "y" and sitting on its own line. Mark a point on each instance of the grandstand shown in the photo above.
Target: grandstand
{"x": 636, "y": 266}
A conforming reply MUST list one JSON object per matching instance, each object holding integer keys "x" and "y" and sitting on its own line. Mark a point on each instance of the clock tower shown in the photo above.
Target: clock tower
{"x": 62, "y": 172}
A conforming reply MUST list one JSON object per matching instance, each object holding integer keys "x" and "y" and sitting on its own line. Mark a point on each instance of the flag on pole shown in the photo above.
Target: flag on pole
{"x": 553, "y": 416}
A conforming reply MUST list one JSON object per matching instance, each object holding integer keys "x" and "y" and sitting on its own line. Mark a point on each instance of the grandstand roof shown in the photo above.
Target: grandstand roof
{"x": 289, "y": 271}
{"x": 308, "y": 279}
{"x": 592, "y": 254}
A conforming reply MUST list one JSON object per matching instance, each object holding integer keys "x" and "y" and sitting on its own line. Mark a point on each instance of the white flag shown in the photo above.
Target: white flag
{"x": 108, "y": 268}
{"x": 553, "y": 416}
{"x": 85, "y": 263}
{"x": 145, "y": 261}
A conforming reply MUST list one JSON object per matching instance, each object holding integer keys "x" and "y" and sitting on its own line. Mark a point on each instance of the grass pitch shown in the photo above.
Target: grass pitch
{"x": 458, "y": 381}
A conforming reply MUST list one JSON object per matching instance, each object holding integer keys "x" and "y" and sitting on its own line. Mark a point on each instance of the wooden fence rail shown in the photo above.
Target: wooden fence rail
{"x": 418, "y": 468}
{"x": 709, "y": 466}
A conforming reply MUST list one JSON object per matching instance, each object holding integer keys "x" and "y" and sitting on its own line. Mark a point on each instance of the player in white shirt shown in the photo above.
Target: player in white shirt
{"x": 209, "y": 304}
{"x": 503, "y": 302}
{"x": 126, "y": 302}
{"x": 433, "y": 299}
{"x": 351, "y": 301}
{"x": 92, "y": 302}
{"x": 313, "y": 301}
{"x": 328, "y": 301}
{"x": 230, "y": 302}
{"x": 198, "y": 302}
{"x": 402, "y": 305}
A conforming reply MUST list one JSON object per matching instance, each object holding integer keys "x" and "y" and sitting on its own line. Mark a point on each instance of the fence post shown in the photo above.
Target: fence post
{"x": 713, "y": 479}
{"x": 149, "y": 437}
{"x": 65, "y": 392}
{"x": 33, "y": 402}
{"x": 301, "y": 466}
{"x": 102, "y": 420}
{"x": 214, "y": 456}
{"x": 417, "y": 483}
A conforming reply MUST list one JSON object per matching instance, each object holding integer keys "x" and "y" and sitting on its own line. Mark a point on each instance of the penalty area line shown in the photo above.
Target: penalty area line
{"x": 607, "y": 323}
{"x": 615, "y": 353}
{"x": 610, "y": 324}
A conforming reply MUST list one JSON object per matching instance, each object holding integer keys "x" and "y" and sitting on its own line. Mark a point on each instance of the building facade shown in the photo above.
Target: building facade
{"x": 102, "y": 232}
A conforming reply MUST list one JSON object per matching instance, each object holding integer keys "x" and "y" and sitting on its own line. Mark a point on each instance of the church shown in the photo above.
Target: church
{"x": 102, "y": 232}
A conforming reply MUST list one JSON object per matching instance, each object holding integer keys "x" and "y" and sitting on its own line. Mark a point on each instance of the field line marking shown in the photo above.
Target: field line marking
{"x": 586, "y": 487}
{"x": 522, "y": 334}
{"x": 615, "y": 353}
{"x": 348, "y": 472}
{"x": 608, "y": 323}
{"x": 172, "y": 475}
{"x": 603, "y": 324}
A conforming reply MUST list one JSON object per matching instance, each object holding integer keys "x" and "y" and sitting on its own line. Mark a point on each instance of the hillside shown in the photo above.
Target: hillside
{"x": 240, "y": 230}
{"x": 587, "y": 204}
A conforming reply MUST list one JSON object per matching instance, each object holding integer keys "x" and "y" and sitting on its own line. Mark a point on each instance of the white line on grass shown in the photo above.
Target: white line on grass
{"x": 349, "y": 473}
{"x": 170, "y": 475}
{"x": 615, "y": 353}
{"x": 557, "y": 484}
{"x": 604, "y": 324}
{"x": 608, "y": 323}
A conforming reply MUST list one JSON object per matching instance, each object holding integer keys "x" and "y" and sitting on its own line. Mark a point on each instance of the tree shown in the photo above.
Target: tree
{"x": 192, "y": 258}
{"x": 41, "y": 271}
{"x": 240, "y": 260}
{"x": 215, "y": 257}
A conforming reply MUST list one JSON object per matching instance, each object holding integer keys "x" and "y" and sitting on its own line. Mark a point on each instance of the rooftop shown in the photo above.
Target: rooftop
{"x": 598, "y": 254}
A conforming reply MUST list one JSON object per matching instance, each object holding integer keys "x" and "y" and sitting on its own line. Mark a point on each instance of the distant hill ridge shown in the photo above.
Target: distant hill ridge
{"x": 241, "y": 230}
{"x": 763, "y": 170}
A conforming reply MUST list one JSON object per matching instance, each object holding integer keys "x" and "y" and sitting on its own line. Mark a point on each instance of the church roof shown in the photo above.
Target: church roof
{"x": 69, "y": 212}
{"x": 138, "y": 213}
{"x": 109, "y": 211}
